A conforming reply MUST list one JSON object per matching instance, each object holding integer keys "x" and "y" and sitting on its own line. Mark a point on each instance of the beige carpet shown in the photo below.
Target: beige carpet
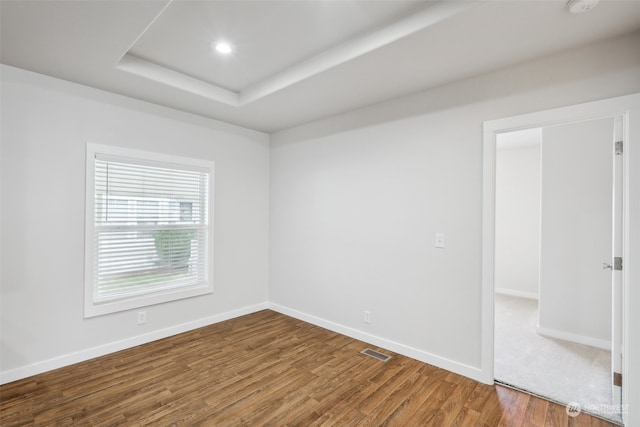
{"x": 560, "y": 370}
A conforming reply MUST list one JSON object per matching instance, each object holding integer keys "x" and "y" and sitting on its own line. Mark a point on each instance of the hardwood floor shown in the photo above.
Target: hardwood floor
{"x": 266, "y": 369}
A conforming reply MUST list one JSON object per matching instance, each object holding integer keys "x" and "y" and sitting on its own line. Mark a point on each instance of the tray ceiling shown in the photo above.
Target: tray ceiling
{"x": 293, "y": 61}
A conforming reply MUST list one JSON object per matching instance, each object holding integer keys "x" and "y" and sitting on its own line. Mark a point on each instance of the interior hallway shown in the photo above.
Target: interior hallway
{"x": 560, "y": 370}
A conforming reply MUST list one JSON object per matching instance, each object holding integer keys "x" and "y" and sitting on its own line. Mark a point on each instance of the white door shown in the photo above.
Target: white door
{"x": 575, "y": 232}
{"x": 584, "y": 159}
{"x": 616, "y": 258}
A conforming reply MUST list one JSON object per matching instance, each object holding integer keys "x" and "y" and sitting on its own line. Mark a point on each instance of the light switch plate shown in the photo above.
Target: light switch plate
{"x": 439, "y": 240}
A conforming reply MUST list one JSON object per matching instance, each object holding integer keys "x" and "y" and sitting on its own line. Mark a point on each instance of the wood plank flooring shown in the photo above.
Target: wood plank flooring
{"x": 266, "y": 369}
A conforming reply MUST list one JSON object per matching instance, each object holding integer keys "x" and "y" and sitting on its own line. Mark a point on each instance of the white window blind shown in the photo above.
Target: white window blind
{"x": 150, "y": 228}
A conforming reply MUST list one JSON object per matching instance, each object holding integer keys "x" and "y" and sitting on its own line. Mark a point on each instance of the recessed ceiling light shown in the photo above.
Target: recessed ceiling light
{"x": 222, "y": 47}
{"x": 581, "y": 6}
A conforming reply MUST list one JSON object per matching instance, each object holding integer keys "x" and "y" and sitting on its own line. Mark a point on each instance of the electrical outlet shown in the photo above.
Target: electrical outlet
{"x": 367, "y": 316}
{"x": 142, "y": 317}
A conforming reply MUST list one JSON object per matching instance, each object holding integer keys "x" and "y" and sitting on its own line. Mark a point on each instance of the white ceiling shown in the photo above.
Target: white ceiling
{"x": 295, "y": 61}
{"x": 269, "y": 36}
{"x": 519, "y": 139}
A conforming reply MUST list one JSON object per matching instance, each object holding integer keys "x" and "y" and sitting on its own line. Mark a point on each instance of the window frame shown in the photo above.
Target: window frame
{"x": 152, "y": 297}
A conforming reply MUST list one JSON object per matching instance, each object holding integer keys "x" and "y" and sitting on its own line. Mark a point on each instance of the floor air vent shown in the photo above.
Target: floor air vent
{"x": 375, "y": 354}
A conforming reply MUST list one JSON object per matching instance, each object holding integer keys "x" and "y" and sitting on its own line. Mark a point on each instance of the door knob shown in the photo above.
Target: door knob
{"x": 617, "y": 264}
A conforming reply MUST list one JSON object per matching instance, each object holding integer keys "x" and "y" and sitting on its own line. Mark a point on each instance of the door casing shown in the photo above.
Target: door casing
{"x": 620, "y": 106}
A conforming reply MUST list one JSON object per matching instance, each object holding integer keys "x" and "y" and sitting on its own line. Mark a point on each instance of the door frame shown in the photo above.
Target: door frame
{"x": 629, "y": 108}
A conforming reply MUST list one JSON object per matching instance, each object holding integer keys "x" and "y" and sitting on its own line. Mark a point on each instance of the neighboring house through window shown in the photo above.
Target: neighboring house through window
{"x": 148, "y": 229}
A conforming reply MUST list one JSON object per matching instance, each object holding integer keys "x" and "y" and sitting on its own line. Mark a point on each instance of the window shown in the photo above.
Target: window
{"x": 149, "y": 233}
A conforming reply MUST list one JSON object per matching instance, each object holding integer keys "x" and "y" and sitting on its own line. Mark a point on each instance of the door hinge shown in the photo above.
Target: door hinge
{"x": 619, "y": 148}
{"x": 617, "y": 379}
{"x": 617, "y": 263}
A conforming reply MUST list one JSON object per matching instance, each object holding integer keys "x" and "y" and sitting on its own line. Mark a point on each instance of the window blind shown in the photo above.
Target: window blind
{"x": 150, "y": 225}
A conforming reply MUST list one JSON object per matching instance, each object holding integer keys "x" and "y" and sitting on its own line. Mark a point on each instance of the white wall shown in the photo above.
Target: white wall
{"x": 356, "y": 200}
{"x": 45, "y": 126}
{"x": 517, "y": 244}
{"x": 576, "y": 218}
{"x": 631, "y": 294}
{"x": 405, "y": 169}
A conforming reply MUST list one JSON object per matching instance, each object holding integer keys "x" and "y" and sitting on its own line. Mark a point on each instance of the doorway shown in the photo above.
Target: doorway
{"x": 628, "y": 107}
{"x": 553, "y": 228}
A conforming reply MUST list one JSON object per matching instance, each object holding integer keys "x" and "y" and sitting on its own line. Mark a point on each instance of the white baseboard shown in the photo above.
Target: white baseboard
{"x": 580, "y": 339}
{"x": 83, "y": 355}
{"x": 90, "y": 353}
{"x": 423, "y": 356}
{"x": 515, "y": 293}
